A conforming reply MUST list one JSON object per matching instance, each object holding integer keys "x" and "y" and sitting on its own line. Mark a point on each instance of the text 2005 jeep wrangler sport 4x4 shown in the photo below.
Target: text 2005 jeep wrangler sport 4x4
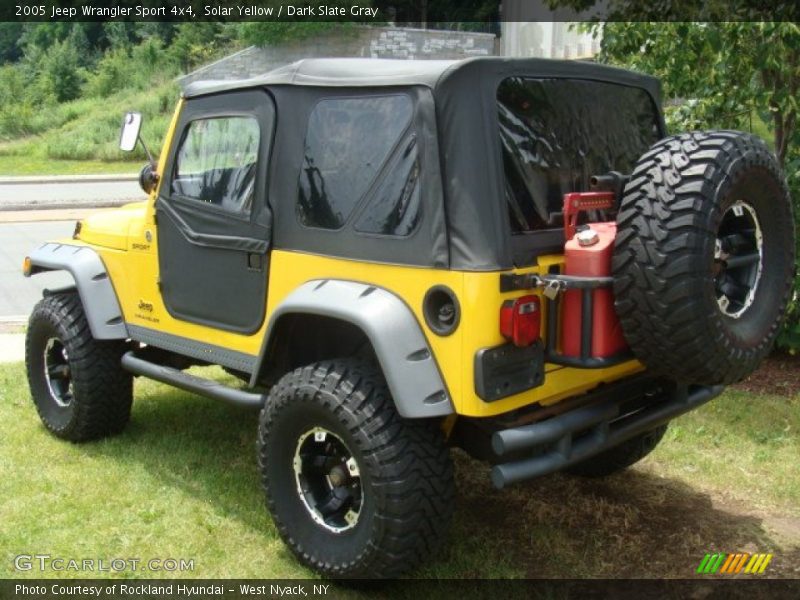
{"x": 396, "y": 256}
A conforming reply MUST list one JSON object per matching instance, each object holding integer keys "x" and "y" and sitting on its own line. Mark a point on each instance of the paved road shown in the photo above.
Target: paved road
{"x": 53, "y": 193}
{"x": 17, "y": 293}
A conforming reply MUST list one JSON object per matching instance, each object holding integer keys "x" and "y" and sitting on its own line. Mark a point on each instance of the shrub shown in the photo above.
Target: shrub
{"x": 15, "y": 121}
{"x": 60, "y": 76}
{"x": 789, "y": 338}
{"x": 16, "y": 116}
{"x": 94, "y": 133}
{"x": 112, "y": 74}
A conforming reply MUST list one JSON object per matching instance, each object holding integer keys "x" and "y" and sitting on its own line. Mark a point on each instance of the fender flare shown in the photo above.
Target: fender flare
{"x": 411, "y": 372}
{"x": 96, "y": 291}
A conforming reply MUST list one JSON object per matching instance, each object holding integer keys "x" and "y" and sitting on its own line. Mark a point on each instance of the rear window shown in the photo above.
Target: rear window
{"x": 557, "y": 133}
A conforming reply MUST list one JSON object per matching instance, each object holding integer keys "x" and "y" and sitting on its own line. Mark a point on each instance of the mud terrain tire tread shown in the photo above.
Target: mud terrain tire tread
{"x": 407, "y": 462}
{"x": 103, "y": 391}
{"x": 663, "y": 281}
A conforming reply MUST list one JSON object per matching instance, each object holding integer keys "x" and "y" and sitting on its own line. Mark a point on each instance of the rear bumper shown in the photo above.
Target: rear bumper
{"x": 573, "y": 436}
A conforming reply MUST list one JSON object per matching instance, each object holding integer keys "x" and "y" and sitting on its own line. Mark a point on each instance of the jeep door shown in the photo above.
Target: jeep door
{"x": 214, "y": 225}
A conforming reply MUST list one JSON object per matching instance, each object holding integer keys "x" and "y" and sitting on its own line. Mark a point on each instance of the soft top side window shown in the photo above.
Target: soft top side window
{"x": 216, "y": 162}
{"x": 348, "y": 142}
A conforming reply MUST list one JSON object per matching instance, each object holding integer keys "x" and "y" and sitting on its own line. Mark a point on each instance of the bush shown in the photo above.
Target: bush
{"x": 94, "y": 133}
{"x": 60, "y": 76}
{"x": 112, "y": 74}
{"x": 789, "y": 338}
{"x": 16, "y": 116}
{"x": 138, "y": 68}
{"x": 15, "y": 121}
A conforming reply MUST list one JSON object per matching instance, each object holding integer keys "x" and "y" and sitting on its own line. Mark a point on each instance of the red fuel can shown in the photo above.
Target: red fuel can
{"x": 588, "y": 253}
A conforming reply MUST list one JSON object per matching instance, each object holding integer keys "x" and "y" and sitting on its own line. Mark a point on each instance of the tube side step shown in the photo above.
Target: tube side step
{"x": 191, "y": 383}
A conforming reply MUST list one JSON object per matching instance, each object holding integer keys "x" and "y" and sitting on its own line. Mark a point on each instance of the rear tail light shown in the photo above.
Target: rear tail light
{"x": 520, "y": 320}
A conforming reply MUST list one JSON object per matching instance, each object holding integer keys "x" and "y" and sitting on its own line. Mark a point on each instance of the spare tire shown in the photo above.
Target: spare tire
{"x": 704, "y": 256}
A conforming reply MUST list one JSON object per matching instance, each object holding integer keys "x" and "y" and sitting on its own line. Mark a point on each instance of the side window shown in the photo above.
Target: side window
{"x": 395, "y": 207}
{"x": 347, "y": 142}
{"x": 216, "y": 162}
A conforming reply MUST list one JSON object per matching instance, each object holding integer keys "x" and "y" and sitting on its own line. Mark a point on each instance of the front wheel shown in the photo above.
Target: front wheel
{"x": 77, "y": 383}
{"x": 355, "y": 490}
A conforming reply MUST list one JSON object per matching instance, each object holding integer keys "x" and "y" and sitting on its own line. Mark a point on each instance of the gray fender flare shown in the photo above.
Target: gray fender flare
{"x": 97, "y": 294}
{"x": 408, "y": 365}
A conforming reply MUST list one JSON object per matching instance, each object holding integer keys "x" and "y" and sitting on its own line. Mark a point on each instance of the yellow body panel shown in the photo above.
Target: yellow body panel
{"x": 135, "y": 275}
{"x": 127, "y": 240}
{"x": 480, "y": 301}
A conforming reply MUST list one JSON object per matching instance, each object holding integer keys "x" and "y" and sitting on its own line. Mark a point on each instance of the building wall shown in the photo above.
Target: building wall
{"x": 367, "y": 42}
{"x": 533, "y": 29}
{"x": 547, "y": 40}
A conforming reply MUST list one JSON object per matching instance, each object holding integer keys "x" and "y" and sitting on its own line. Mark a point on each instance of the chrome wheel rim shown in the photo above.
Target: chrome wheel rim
{"x": 738, "y": 259}
{"x": 57, "y": 372}
{"x": 328, "y": 480}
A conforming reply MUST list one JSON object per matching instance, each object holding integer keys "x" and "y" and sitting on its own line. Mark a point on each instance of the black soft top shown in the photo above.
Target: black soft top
{"x": 456, "y": 101}
{"x": 438, "y": 75}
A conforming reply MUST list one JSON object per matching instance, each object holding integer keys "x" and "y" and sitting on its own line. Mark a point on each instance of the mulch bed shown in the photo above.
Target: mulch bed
{"x": 779, "y": 375}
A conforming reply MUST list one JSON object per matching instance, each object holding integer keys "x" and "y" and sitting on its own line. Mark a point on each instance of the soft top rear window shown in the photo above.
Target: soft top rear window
{"x": 557, "y": 133}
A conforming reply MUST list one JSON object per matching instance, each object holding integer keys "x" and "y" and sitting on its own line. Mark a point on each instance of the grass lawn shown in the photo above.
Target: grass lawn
{"x": 181, "y": 482}
{"x": 18, "y": 165}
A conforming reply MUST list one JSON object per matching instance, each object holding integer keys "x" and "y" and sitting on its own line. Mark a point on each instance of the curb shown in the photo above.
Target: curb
{"x": 13, "y": 347}
{"x": 42, "y": 179}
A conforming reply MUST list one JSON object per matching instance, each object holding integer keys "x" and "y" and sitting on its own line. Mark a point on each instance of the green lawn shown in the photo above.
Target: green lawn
{"x": 181, "y": 482}
{"x": 19, "y": 164}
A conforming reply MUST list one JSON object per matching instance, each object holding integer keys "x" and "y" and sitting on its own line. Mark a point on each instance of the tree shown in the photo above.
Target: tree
{"x": 9, "y": 41}
{"x": 195, "y": 43}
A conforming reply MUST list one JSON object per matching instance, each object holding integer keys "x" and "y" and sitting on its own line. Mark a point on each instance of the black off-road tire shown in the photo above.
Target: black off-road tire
{"x": 673, "y": 259}
{"x": 406, "y": 476}
{"x": 97, "y": 392}
{"x": 620, "y": 457}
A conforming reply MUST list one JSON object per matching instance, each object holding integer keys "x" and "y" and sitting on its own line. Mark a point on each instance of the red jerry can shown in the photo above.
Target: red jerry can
{"x": 587, "y": 254}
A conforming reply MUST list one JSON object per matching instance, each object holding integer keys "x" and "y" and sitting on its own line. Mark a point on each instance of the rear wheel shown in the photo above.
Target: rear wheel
{"x": 354, "y": 489}
{"x": 704, "y": 256}
{"x": 78, "y": 386}
{"x": 620, "y": 457}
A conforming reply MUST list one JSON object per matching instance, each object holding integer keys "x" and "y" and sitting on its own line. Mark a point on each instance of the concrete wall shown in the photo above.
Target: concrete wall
{"x": 368, "y": 42}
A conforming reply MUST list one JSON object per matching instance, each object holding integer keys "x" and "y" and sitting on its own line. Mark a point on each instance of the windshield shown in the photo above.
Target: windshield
{"x": 557, "y": 133}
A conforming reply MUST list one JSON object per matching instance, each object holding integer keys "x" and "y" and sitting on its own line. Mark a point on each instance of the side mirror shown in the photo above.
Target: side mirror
{"x": 129, "y": 134}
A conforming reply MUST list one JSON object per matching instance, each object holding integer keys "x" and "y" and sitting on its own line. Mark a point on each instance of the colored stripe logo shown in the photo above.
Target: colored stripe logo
{"x": 732, "y": 564}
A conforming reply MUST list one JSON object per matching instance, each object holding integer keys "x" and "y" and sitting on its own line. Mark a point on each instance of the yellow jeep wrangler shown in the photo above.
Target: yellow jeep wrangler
{"x": 397, "y": 257}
